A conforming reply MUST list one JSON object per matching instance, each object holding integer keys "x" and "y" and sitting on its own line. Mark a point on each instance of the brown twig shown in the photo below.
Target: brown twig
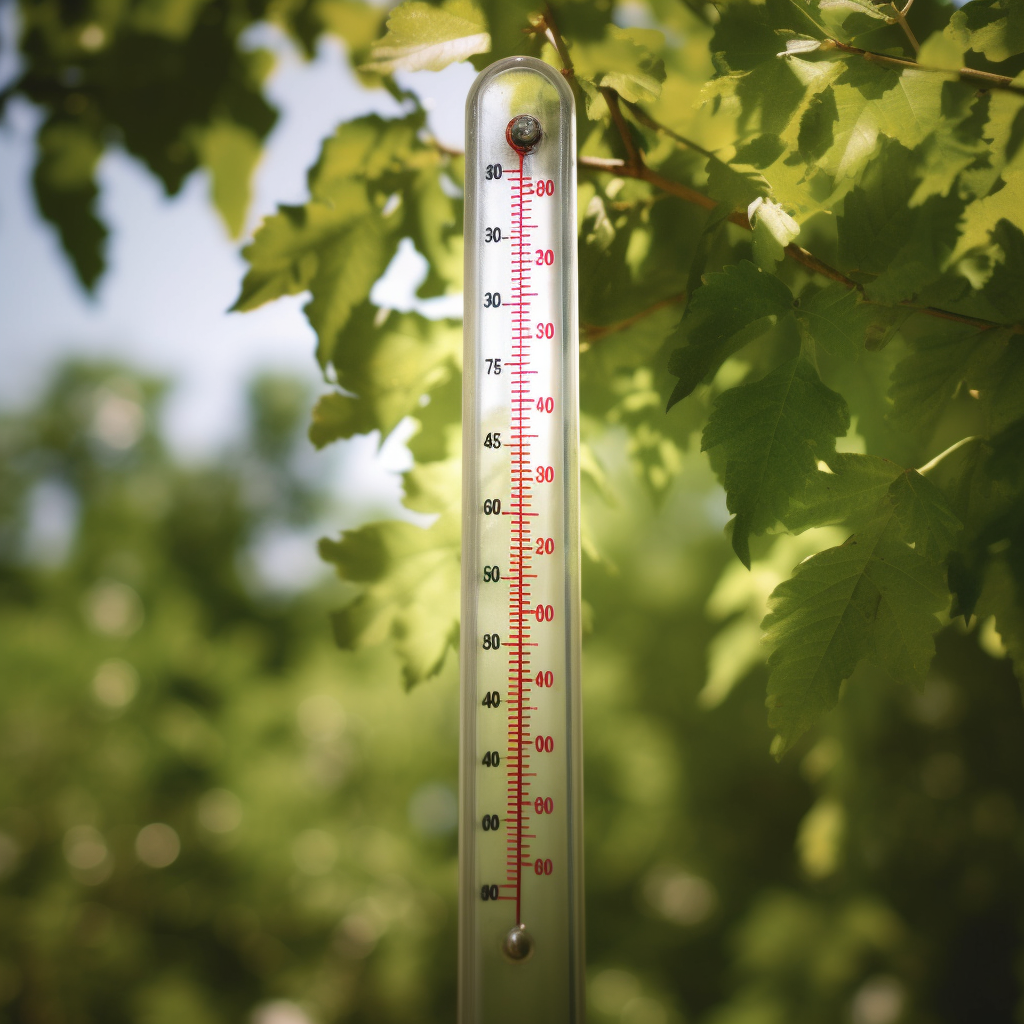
{"x": 983, "y": 79}
{"x": 554, "y": 37}
{"x": 794, "y": 252}
{"x": 649, "y": 122}
{"x": 642, "y": 172}
{"x": 592, "y": 332}
{"x": 633, "y": 157}
{"x": 691, "y": 195}
{"x": 445, "y": 149}
{"x": 901, "y": 20}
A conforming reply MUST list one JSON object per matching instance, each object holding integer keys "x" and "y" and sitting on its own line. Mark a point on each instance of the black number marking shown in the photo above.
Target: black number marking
{"x": 492, "y": 641}
{"x": 492, "y": 506}
{"x": 492, "y": 699}
{"x": 491, "y": 759}
{"x": 491, "y": 823}
{"x": 492, "y": 300}
{"x": 492, "y": 172}
{"x": 492, "y": 234}
{"x": 488, "y": 892}
{"x": 491, "y": 574}
{"x": 493, "y": 440}
{"x": 494, "y": 366}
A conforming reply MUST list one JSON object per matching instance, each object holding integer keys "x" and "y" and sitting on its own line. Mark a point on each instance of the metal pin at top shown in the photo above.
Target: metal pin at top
{"x": 523, "y": 132}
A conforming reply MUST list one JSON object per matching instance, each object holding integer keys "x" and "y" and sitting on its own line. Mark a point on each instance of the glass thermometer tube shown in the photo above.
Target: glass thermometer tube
{"x": 520, "y": 858}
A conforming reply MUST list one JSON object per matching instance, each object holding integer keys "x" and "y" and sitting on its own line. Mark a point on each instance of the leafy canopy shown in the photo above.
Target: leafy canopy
{"x": 801, "y": 227}
{"x": 897, "y": 179}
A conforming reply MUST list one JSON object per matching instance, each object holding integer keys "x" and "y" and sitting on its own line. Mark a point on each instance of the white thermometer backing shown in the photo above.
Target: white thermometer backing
{"x": 521, "y": 790}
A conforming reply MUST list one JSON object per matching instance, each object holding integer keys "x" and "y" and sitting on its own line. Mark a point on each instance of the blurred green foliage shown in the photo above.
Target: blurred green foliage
{"x": 208, "y": 812}
{"x": 175, "y": 83}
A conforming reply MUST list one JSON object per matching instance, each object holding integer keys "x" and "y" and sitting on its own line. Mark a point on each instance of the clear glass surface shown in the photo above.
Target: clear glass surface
{"x": 521, "y": 876}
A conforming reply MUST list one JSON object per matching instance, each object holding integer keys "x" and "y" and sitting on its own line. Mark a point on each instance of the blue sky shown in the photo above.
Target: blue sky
{"x": 172, "y": 269}
{"x": 172, "y": 274}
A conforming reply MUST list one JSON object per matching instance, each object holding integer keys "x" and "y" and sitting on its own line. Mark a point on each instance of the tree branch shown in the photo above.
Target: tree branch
{"x": 633, "y": 157}
{"x": 901, "y": 20}
{"x": 592, "y": 333}
{"x": 642, "y": 172}
{"x": 445, "y": 149}
{"x": 982, "y": 79}
{"x": 691, "y": 195}
{"x": 549, "y": 27}
{"x": 648, "y": 122}
{"x": 794, "y": 252}
{"x": 929, "y": 466}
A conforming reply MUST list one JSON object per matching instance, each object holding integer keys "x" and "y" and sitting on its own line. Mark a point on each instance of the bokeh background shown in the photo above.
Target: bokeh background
{"x": 209, "y": 813}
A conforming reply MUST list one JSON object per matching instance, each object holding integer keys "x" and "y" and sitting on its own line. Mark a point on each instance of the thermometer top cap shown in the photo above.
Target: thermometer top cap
{"x": 523, "y": 132}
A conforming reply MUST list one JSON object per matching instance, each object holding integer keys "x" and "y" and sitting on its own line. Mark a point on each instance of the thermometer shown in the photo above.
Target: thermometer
{"x": 520, "y": 857}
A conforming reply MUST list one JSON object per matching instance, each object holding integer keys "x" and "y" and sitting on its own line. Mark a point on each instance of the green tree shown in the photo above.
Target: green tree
{"x": 192, "y": 775}
{"x": 892, "y": 161}
{"x": 798, "y": 213}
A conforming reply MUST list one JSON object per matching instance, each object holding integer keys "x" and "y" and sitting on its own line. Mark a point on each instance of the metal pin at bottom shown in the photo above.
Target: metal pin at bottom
{"x": 518, "y": 944}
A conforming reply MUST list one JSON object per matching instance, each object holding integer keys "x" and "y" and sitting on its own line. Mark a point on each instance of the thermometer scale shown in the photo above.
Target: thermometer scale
{"x": 520, "y": 858}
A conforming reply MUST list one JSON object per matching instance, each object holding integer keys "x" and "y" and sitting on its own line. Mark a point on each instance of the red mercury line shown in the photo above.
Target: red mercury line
{"x": 519, "y": 554}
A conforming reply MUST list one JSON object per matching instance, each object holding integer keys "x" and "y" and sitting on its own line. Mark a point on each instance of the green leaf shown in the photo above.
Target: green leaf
{"x": 65, "y": 187}
{"x": 433, "y": 220}
{"x": 358, "y": 24}
{"x": 1005, "y": 463}
{"x": 370, "y": 149}
{"x": 439, "y": 419}
{"x": 172, "y": 20}
{"x": 981, "y": 217}
{"x": 847, "y": 494}
{"x": 1001, "y": 382}
{"x": 347, "y": 268}
{"x": 924, "y": 514}
{"x": 152, "y": 79}
{"x": 374, "y": 181}
{"x": 1003, "y": 289}
{"x": 996, "y": 141}
{"x": 774, "y": 229}
{"x": 871, "y": 101}
{"x": 410, "y": 576}
{"x": 706, "y": 241}
{"x": 800, "y": 44}
{"x": 386, "y": 367}
{"x": 624, "y": 61}
{"x": 230, "y": 152}
{"x": 853, "y": 7}
{"x": 285, "y": 252}
{"x": 732, "y": 308}
{"x": 412, "y": 581}
{"x": 993, "y": 28}
{"x": 1000, "y": 597}
{"x": 903, "y": 250}
{"x": 873, "y": 597}
{"x": 336, "y": 416}
{"x": 940, "y": 50}
{"x": 732, "y": 189}
{"x": 926, "y": 381}
{"x": 748, "y": 34}
{"x": 770, "y": 102}
{"x": 422, "y": 37}
{"x": 837, "y": 318}
{"x": 774, "y": 433}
